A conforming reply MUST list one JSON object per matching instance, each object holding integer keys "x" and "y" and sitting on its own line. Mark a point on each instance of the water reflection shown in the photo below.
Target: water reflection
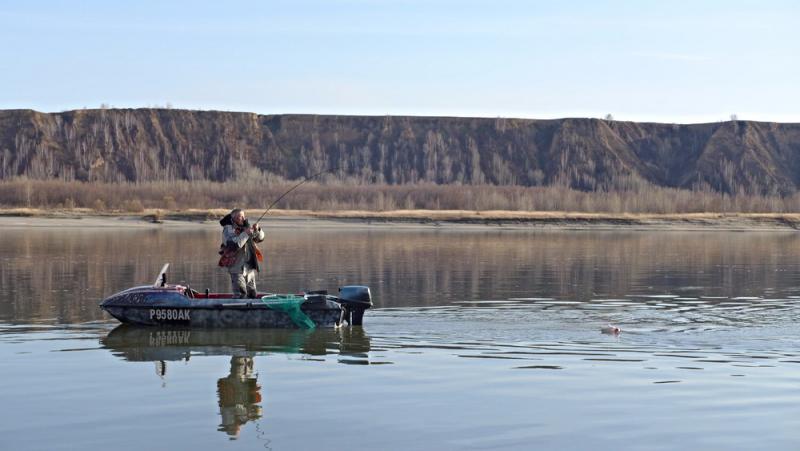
{"x": 48, "y": 276}
{"x": 239, "y": 394}
{"x": 139, "y": 343}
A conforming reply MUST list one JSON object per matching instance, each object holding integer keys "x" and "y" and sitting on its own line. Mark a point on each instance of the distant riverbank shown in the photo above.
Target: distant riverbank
{"x": 410, "y": 218}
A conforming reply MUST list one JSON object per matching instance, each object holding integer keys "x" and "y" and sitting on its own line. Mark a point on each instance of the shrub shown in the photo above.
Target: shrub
{"x": 169, "y": 203}
{"x": 133, "y": 206}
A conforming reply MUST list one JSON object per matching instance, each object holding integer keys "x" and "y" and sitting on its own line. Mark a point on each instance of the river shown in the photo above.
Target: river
{"x": 479, "y": 339}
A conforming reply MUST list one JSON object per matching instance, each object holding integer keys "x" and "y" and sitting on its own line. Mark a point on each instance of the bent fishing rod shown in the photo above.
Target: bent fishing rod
{"x": 310, "y": 177}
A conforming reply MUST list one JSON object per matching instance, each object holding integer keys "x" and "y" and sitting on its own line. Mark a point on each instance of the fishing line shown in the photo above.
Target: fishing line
{"x": 310, "y": 177}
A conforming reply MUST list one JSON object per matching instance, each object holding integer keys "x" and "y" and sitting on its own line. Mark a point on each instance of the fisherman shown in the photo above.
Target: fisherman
{"x": 239, "y": 252}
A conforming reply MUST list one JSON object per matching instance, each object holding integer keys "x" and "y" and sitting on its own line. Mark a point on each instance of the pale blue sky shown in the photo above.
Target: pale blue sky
{"x": 666, "y": 61}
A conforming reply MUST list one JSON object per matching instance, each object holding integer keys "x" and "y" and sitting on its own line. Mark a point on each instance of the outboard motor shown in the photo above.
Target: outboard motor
{"x": 354, "y": 299}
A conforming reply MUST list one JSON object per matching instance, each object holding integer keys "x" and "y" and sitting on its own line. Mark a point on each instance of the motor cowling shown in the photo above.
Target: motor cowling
{"x": 354, "y": 299}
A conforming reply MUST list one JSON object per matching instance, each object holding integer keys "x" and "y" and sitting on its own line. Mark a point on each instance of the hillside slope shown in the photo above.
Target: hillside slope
{"x": 164, "y": 144}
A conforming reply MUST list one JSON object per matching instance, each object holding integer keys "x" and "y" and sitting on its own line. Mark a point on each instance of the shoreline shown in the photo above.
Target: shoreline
{"x": 439, "y": 219}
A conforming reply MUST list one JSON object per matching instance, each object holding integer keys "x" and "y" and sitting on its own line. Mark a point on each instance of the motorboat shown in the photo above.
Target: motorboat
{"x": 163, "y": 303}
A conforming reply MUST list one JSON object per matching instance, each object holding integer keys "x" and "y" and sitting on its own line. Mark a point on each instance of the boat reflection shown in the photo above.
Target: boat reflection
{"x": 239, "y": 393}
{"x": 142, "y": 343}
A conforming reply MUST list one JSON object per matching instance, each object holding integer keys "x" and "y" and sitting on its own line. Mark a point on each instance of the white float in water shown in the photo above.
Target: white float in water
{"x": 611, "y": 330}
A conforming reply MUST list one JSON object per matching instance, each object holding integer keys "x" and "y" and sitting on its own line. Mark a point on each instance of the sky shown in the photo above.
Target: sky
{"x": 655, "y": 61}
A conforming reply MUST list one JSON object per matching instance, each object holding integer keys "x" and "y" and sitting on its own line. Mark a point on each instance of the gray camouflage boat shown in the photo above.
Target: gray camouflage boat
{"x": 179, "y": 305}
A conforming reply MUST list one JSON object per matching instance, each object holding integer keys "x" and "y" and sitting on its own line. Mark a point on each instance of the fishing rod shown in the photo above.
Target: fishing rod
{"x": 310, "y": 177}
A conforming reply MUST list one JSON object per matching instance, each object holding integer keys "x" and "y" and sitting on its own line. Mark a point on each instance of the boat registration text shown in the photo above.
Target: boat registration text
{"x": 169, "y": 314}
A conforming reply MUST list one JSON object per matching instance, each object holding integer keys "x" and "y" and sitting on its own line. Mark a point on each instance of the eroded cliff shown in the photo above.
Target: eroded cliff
{"x": 163, "y": 144}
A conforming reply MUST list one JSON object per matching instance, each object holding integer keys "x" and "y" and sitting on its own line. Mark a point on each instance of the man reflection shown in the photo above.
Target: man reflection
{"x": 238, "y": 394}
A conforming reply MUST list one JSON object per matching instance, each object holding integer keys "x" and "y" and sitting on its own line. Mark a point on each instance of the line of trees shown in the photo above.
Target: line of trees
{"x": 631, "y": 196}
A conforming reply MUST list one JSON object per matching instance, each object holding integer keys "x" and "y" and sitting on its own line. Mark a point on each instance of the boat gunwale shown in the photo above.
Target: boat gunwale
{"x": 238, "y": 305}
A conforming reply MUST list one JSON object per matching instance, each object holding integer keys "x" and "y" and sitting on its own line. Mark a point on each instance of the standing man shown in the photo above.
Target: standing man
{"x": 239, "y": 252}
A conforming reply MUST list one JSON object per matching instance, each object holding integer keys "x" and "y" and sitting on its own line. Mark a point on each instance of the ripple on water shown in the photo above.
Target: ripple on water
{"x": 564, "y": 334}
{"x": 653, "y": 296}
{"x": 539, "y": 367}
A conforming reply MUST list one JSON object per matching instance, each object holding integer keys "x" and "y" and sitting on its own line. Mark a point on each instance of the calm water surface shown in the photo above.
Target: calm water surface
{"x": 479, "y": 340}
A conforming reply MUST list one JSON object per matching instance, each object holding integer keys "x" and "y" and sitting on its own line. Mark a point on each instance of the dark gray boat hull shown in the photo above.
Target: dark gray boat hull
{"x": 173, "y": 305}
